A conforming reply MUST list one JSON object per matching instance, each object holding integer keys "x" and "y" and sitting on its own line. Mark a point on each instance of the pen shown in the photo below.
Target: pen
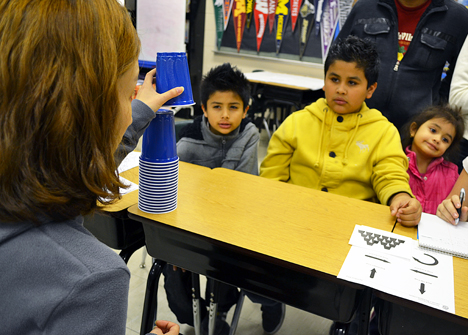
{"x": 459, "y": 210}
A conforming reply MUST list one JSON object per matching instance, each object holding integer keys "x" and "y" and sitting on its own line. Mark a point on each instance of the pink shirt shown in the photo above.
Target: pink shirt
{"x": 432, "y": 187}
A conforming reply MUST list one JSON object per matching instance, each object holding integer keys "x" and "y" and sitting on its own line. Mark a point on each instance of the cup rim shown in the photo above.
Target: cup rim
{"x": 181, "y": 104}
{"x": 158, "y": 203}
{"x": 159, "y": 186}
{"x": 163, "y": 180}
{"x": 160, "y": 177}
{"x": 173, "y": 162}
{"x": 159, "y": 167}
{"x": 158, "y": 160}
{"x": 159, "y": 193}
{"x": 161, "y": 171}
{"x": 163, "y": 211}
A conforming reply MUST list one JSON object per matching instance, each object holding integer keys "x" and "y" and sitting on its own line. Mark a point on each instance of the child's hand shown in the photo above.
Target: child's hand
{"x": 165, "y": 327}
{"x": 148, "y": 95}
{"x": 447, "y": 210}
{"x": 406, "y": 209}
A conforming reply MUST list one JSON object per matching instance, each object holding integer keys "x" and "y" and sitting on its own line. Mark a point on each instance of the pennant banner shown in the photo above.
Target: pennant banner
{"x": 271, "y": 13}
{"x": 295, "y": 5}
{"x": 249, "y": 11}
{"x": 282, "y": 15}
{"x": 329, "y": 23}
{"x": 318, "y": 15}
{"x": 239, "y": 21}
{"x": 219, "y": 19}
{"x": 227, "y": 4}
{"x": 307, "y": 13}
{"x": 261, "y": 17}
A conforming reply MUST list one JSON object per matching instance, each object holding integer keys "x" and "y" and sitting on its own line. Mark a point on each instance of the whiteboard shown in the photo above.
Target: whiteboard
{"x": 160, "y": 26}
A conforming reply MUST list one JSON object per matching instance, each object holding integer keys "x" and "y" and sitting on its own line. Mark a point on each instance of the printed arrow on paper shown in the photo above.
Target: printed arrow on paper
{"x": 239, "y": 21}
{"x": 227, "y": 5}
{"x": 421, "y": 288}
{"x": 282, "y": 15}
{"x": 261, "y": 17}
{"x": 249, "y": 10}
{"x": 295, "y": 5}
{"x": 271, "y": 13}
{"x": 219, "y": 19}
{"x": 372, "y": 273}
{"x": 307, "y": 13}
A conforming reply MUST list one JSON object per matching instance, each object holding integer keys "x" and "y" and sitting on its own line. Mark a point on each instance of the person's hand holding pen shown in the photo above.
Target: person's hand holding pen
{"x": 451, "y": 210}
{"x": 406, "y": 209}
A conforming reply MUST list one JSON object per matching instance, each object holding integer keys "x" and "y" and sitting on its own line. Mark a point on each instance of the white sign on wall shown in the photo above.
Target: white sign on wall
{"x": 161, "y": 27}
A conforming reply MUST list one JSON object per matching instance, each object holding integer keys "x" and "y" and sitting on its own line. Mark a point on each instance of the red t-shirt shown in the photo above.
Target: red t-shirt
{"x": 408, "y": 18}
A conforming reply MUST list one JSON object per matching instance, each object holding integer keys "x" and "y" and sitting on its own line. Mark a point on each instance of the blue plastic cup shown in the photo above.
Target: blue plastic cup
{"x": 172, "y": 71}
{"x": 159, "y": 140}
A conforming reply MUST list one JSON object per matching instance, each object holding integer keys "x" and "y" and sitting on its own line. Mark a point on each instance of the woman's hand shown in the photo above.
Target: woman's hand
{"x": 148, "y": 95}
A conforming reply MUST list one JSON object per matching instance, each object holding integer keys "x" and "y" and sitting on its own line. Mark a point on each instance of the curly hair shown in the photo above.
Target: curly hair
{"x": 59, "y": 65}
{"x": 360, "y": 51}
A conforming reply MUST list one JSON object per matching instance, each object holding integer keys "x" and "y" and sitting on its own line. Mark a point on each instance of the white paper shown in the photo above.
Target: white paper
{"x": 433, "y": 232}
{"x": 161, "y": 27}
{"x": 286, "y": 79}
{"x": 418, "y": 275}
{"x": 129, "y": 162}
{"x": 132, "y": 186}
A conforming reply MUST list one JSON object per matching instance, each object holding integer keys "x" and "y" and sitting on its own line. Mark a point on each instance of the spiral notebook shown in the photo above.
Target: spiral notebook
{"x": 436, "y": 234}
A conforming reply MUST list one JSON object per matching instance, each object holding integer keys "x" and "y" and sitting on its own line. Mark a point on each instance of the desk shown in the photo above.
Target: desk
{"x": 278, "y": 90}
{"x": 279, "y": 240}
{"x": 114, "y": 228}
{"x": 401, "y": 316}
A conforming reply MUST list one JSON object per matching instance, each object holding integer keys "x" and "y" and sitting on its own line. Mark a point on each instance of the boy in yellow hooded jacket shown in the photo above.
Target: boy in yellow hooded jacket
{"x": 339, "y": 145}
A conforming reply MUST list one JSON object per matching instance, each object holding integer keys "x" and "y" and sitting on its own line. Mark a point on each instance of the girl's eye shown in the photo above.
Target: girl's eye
{"x": 446, "y": 140}
{"x": 432, "y": 130}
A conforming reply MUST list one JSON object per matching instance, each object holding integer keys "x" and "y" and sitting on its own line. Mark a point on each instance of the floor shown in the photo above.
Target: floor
{"x": 296, "y": 322}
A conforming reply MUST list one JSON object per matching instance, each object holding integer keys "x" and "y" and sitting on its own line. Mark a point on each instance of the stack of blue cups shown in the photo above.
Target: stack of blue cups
{"x": 159, "y": 163}
{"x": 159, "y": 166}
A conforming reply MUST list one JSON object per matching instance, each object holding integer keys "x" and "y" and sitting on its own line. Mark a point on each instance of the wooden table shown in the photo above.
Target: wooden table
{"x": 279, "y": 240}
{"x": 114, "y": 228}
{"x": 272, "y": 91}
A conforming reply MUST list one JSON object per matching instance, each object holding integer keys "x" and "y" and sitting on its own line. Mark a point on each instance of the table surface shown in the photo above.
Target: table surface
{"x": 309, "y": 228}
{"x": 285, "y": 80}
{"x": 128, "y": 199}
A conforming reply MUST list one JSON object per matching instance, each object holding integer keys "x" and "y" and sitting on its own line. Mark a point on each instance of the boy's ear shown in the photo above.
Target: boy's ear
{"x": 245, "y": 112}
{"x": 370, "y": 90}
{"x": 204, "y": 110}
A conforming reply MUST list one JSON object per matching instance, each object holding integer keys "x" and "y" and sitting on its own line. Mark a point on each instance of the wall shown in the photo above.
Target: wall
{"x": 248, "y": 64}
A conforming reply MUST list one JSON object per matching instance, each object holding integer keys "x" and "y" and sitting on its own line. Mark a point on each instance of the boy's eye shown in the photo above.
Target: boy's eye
{"x": 352, "y": 83}
{"x": 234, "y": 107}
{"x": 333, "y": 79}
